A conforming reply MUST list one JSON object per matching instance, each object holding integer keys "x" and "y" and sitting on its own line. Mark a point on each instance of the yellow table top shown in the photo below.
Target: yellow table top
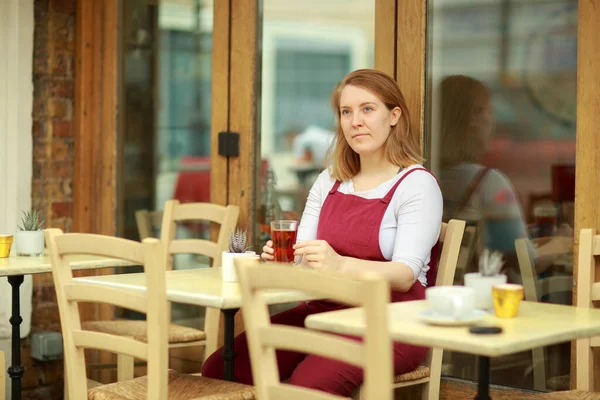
{"x": 537, "y": 325}
{"x": 201, "y": 287}
{"x": 17, "y": 265}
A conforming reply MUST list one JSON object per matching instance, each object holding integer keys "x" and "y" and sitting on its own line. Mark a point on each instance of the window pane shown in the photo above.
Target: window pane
{"x": 307, "y": 48}
{"x": 165, "y": 113}
{"x": 502, "y": 134}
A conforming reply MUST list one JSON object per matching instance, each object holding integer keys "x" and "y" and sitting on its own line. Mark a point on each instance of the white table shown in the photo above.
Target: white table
{"x": 15, "y": 268}
{"x": 537, "y": 325}
{"x": 201, "y": 287}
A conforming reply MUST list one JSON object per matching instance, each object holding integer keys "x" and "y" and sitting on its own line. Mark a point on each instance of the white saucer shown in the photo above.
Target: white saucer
{"x": 433, "y": 318}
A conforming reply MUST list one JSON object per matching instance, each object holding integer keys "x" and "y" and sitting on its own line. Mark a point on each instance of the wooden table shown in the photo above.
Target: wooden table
{"x": 537, "y": 325}
{"x": 202, "y": 287}
{"x": 15, "y": 268}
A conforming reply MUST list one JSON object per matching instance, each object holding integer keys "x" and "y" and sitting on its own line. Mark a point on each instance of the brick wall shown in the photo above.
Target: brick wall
{"x": 53, "y": 83}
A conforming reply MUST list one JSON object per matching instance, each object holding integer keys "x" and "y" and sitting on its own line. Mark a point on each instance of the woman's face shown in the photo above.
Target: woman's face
{"x": 365, "y": 120}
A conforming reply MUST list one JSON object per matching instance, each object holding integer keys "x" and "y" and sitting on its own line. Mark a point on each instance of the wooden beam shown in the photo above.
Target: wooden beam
{"x": 94, "y": 184}
{"x": 220, "y": 99}
{"x": 385, "y": 36}
{"x": 243, "y": 100}
{"x": 84, "y": 116}
{"x": 587, "y": 173}
{"x": 410, "y": 59}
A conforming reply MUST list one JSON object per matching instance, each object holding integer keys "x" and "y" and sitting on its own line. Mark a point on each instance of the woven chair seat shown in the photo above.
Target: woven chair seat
{"x": 556, "y": 383}
{"x": 419, "y": 373}
{"x": 137, "y": 330}
{"x": 181, "y": 387}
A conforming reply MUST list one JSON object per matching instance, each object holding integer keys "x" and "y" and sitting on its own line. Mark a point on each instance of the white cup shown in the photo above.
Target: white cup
{"x": 451, "y": 301}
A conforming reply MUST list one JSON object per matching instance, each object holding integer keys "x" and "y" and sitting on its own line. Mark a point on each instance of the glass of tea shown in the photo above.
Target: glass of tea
{"x": 283, "y": 233}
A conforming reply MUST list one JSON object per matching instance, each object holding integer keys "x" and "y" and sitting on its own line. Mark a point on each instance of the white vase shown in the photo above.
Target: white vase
{"x": 483, "y": 288}
{"x": 228, "y": 266}
{"x": 29, "y": 243}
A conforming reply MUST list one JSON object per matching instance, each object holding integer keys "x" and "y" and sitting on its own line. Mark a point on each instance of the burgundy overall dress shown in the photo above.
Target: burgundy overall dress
{"x": 350, "y": 224}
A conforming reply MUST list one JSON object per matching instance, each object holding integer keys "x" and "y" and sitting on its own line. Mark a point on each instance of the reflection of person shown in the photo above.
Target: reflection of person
{"x": 472, "y": 192}
{"x": 310, "y": 146}
{"x": 374, "y": 209}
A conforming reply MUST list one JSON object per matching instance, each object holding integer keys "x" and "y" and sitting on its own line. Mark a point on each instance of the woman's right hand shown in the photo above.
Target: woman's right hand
{"x": 268, "y": 251}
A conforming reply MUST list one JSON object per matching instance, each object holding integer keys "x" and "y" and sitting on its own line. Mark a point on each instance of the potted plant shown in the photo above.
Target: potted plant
{"x": 238, "y": 247}
{"x": 29, "y": 239}
{"x": 489, "y": 275}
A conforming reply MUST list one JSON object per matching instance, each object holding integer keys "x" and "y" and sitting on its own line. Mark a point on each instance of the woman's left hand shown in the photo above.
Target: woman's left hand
{"x": 318, "y": 254}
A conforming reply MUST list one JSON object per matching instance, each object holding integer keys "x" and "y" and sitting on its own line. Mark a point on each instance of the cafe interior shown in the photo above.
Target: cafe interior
{"x": 153, "y": 147}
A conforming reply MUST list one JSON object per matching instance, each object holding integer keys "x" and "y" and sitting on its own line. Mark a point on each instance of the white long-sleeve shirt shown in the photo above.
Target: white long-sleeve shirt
{"x": 410, "y": 225}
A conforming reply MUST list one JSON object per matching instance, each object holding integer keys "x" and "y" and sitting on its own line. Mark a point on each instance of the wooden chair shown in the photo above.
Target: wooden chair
{"x": 535, "y": 290}
{"x": 374, "y": 354}
{"x": 160, "y": 383}
{"x": 147, "y": 222}
{"x": 588, "y": 290}
{"x": 174, "y": 212}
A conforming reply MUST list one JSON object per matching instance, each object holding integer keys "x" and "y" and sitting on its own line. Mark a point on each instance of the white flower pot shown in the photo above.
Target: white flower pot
{"x": 228, "y": 267}
{"x": 483, "y": 288}
{"x": 29, "y": 243}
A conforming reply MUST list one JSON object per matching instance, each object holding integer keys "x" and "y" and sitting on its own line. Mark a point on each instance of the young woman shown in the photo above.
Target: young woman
{"x": 374, "y": 209}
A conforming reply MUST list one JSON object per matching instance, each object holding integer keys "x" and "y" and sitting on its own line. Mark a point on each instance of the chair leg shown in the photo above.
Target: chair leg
{"x": 431, "y": 389}
{"x": 2, "y": 376}
{"x": 65, "y": 387}
{"x": 539, "y": 369}
{"x": 125, "y": 367}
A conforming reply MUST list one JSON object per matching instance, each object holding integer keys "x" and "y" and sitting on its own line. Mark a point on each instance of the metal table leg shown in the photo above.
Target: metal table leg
{"x": 483, "y": 386}
{"x": 16, "y": 370}
{"x": 228, "y": 351}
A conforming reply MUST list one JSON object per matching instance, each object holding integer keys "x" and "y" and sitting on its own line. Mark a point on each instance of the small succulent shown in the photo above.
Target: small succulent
{"x": 237, "y": 241}
{"x": 30, "y": 221}
{"x": 490, "y": 263}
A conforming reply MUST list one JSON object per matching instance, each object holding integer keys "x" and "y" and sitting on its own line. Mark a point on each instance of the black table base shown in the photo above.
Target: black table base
{"x": 16, "y": 370}
{"x": 483, "y": 386}
{"x": 228, "y": 351}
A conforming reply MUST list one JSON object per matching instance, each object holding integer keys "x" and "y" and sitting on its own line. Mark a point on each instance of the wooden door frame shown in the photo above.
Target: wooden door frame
{"x": 587, "y": 156}
{"x": 235, "y": 99}
{"x": 95, "y": 128}
{"x": 400, "y": 40}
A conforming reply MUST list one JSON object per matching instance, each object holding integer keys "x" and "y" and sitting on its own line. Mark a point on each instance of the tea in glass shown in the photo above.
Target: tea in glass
{"x": 283, "y": 233}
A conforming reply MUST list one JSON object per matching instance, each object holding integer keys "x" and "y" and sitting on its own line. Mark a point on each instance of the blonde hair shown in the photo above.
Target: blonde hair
{"x": 462, "y": 99}
{"x": 401, "y": 147}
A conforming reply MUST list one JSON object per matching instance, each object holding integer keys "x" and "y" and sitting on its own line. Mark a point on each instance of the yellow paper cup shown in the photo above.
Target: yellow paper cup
{"x": 507, "y": 298}
{"x": 5, "y": 245}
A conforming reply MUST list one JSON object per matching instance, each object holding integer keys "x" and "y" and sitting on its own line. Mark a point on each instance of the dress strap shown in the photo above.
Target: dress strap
{"x": 388, "y": 197}
{"x": 335, "y": 187}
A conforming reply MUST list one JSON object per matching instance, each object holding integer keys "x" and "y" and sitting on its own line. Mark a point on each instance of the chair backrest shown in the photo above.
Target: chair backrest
{"x": 588, "y": 290}
{"x": 174, "y": 212}
{"x": 451, "y": 235}
{"x": 153, "y": 303}
{"x": 536, "y": 289}
{"x": 374, "y": 354}
{"x": 468, "y": 250}
{"x": 147, "y": 222}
